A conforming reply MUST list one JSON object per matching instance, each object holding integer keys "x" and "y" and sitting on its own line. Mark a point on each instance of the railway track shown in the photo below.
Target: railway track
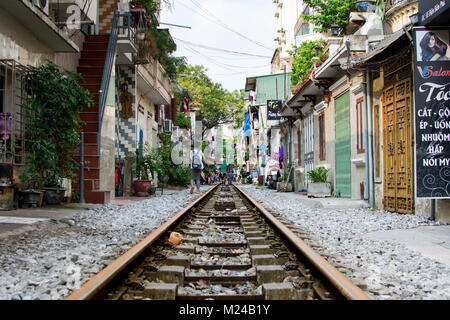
{"x": 232, "y": 249}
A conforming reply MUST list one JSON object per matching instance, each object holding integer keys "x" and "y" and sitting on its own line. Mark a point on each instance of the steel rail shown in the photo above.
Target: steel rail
{"x": 91, "y": 288}
{"x": 336, "y": 278}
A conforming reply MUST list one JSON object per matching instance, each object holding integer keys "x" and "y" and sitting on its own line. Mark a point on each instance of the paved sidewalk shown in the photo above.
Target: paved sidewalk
{"x": 21, "y": 220}
{"x": 331, "y": 203}
{"x": 430, "y": 241}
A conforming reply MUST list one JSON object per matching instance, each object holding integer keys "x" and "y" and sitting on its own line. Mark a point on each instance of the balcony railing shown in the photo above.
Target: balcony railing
{"x": 126, "y": 29}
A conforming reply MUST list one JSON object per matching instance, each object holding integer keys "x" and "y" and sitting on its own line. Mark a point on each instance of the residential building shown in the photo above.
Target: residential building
{"x": 292, "y": 30}
{"x": 266, "y": 129}
{"x": 28, "y": 37}
{"x": 133, "y": 96}
{"x": 297, "y": 135}
{"x": 354, "y": 116}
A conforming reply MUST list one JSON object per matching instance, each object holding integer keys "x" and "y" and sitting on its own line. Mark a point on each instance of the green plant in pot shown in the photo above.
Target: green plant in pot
{"x": 142, "y": 183}
{"x": 54, "y": 193}
{"x": 146, "y": 168}
{"x": 318, "y": 185}
{"x": 183, "y": 121}
{"x": 56, "y": 100}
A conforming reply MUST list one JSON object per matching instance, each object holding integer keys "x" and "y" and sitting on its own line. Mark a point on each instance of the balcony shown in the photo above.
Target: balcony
{"x": 60, "y": 12}
{"x": 127, "y": 45}
{"x": 398, "y": 13}
{"x": 38, "y": 22}
{"x": 152, "y": 82}
{"x": 392, "y": 5}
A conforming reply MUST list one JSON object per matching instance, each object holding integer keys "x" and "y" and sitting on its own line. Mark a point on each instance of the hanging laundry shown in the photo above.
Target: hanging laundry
{"x": 185, "y": 105}
{"x": 247, "y": 125}
{"x": 281, "y": 156}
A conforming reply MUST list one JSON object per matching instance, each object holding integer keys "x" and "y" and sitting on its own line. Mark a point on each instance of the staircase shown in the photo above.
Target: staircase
{"x": 91, "y": 67}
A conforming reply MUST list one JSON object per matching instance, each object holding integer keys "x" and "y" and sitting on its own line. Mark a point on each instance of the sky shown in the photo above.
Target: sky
{"x": 253, "y": 29}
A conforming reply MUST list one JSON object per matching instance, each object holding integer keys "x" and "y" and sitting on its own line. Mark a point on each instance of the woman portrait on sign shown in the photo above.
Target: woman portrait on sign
{"x": 433, "y": 48}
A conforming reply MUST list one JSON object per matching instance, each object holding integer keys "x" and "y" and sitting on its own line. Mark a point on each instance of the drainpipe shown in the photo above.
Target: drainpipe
{"x": 433, "y": 209}
{"x": 82, "y": 169}
{"x": 369, "y": 141}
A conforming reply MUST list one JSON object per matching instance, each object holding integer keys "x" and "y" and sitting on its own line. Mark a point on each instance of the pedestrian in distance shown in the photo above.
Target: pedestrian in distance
{"x": 196, "y": 168}
{"x": 230, "y": 176}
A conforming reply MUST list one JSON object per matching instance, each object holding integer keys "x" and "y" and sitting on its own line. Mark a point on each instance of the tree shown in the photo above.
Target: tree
{"x": 216, "y": 105}
{"x": 303, "y": 59}
{"x": 328, "y": 12}
{"x": 55, "y": 105}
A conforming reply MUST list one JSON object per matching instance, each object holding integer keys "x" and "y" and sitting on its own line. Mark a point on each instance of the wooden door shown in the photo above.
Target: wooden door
{"x": 342, "y": 147}
{"x": 398, "y": 147}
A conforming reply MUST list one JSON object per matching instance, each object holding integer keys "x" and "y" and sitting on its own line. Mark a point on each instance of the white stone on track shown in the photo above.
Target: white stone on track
{"x": 385, "y": 270}
{"x": 56, "y": 258}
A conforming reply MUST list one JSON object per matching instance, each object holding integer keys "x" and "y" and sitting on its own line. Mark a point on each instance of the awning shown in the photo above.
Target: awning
{"x": 390, "y": 45}
{"x": 40, "y": 25}
{"x": 306, "y": 97}
{"x": 331, "y": 68}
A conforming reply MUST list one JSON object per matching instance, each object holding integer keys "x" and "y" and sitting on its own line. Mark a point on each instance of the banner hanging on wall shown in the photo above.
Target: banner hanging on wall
{"x": 432, "y": 112}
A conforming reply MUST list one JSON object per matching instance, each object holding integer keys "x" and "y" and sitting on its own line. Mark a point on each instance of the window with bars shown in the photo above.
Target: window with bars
{"x": 322, "y": 137}
{"x": 359, "y": 126}
{"x": 14, "y": 113}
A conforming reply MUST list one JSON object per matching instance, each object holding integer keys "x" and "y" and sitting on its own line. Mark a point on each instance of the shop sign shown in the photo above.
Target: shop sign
{"x": 274, "y": 109}
{"x": 432, "y": 112}
{"x": 430, "y": 9}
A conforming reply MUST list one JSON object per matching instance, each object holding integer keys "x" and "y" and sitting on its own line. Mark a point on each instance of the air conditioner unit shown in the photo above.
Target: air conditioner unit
{"x": 43, "y": 5}
{"x": 168, "y": 126}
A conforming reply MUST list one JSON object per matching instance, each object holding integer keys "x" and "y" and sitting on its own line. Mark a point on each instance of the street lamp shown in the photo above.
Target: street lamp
{"x": 335, "y": 29}
{"x": 318, "y": 50}
{"x": 414, "y": 19}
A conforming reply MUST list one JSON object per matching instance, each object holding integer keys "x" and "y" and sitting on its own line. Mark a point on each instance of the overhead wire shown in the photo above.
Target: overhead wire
{"x": 220, "y": 23}
{"x": 222, "y": 50}
{"x": 225, "y": 64}
{"x": 223, "y": 24}
{"x": 208, "y": 58}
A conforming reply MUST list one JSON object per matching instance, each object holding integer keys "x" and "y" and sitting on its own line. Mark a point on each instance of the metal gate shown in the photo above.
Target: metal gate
{"x": 398, "y": 145}
{"x": 342, "y": 149}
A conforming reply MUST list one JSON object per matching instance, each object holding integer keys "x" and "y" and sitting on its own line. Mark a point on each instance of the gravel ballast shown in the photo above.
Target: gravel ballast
{"x": 54, "y": 259}
{"x": 383, "y": 269}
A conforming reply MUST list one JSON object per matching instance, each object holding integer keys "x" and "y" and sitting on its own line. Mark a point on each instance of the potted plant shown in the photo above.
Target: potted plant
{"x": 54, "y": 193}
{"x": 142, "y": 183}
{"x": 318, "y": 187}
{"x": 182, "y": 121}
{"x": 285, "y": 183}
{"x": 146, "y": 166}
{"x": 30, "y": 198}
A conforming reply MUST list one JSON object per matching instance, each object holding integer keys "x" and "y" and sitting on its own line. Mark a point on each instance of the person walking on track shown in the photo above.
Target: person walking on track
{"x": 196, "y": 168}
